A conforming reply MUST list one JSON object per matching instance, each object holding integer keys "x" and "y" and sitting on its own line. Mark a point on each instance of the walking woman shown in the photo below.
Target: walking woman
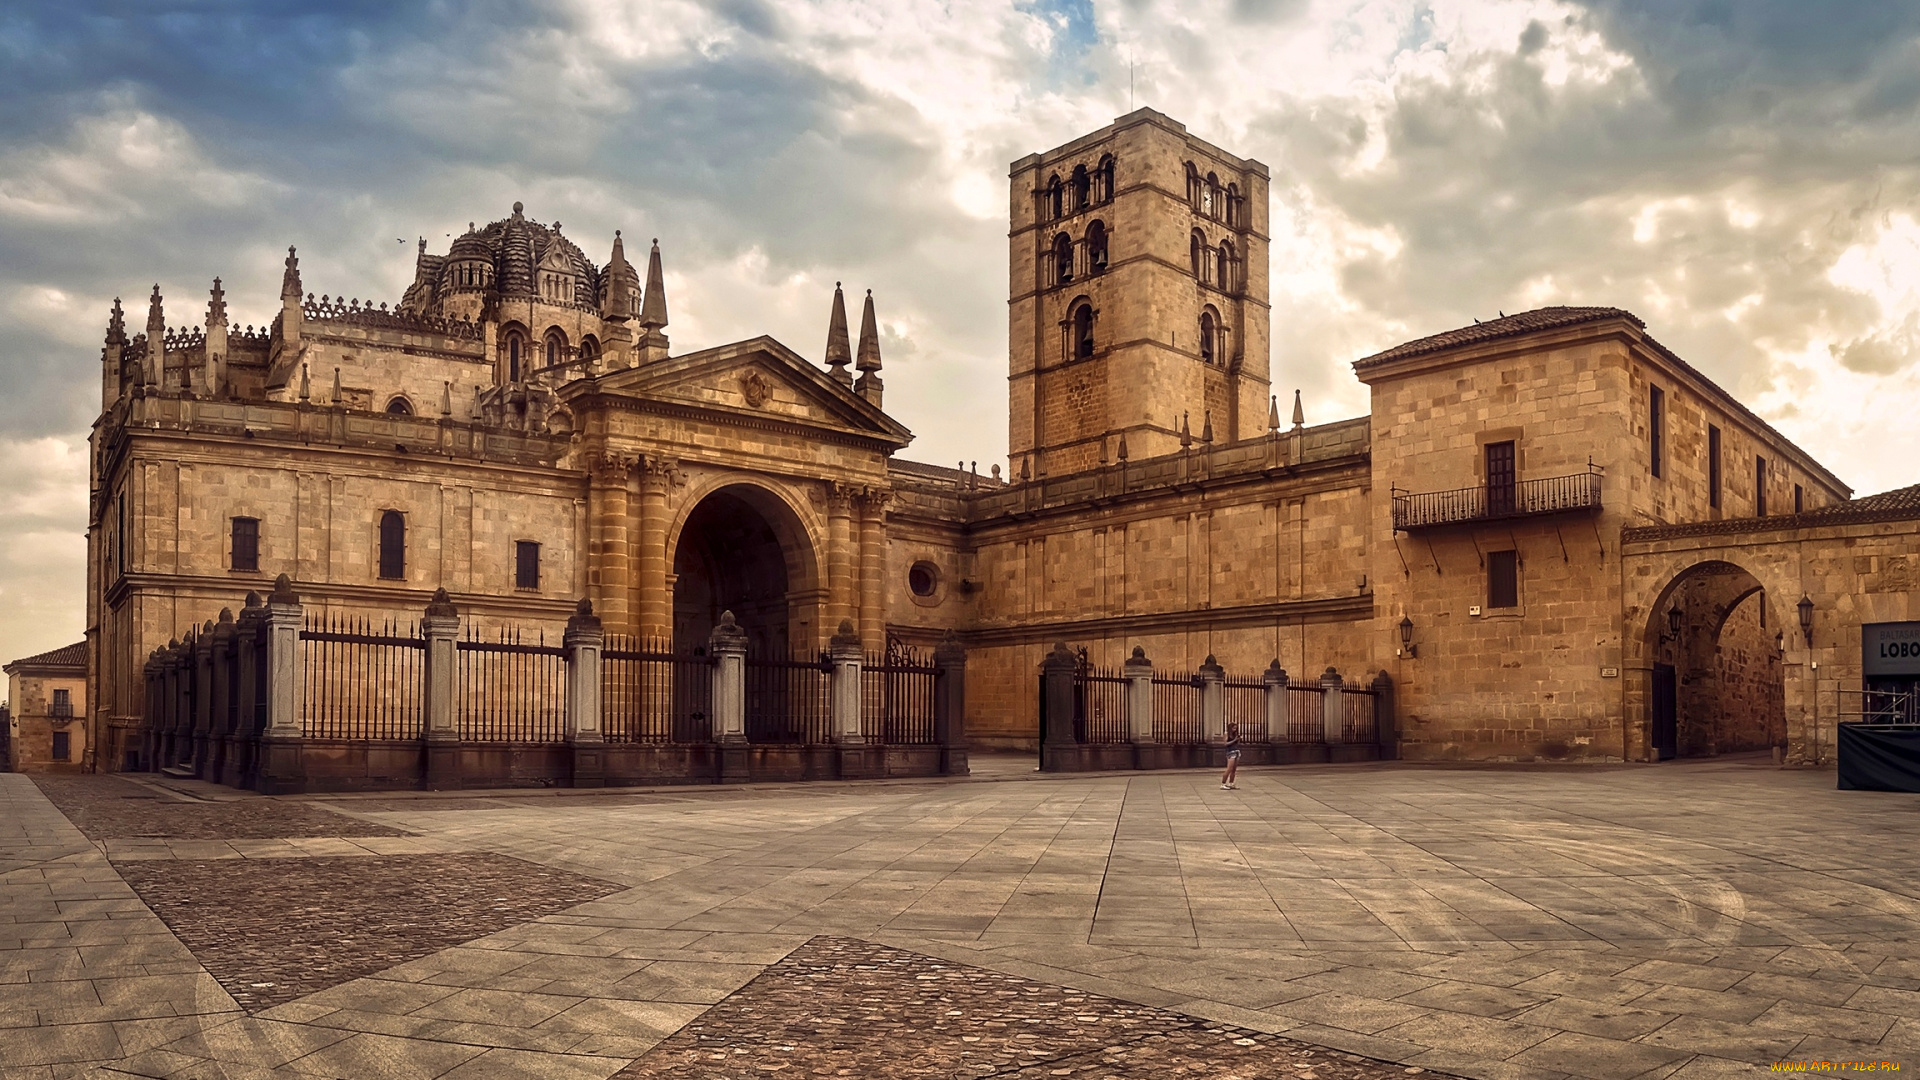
{"x": 1233, "y": 757}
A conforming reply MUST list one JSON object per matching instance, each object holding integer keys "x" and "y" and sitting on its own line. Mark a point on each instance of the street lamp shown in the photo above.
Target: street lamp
{"x": 1406, "y": 638}
{"x": 1806, "y": 619}
{"x": 1674, "y": 615}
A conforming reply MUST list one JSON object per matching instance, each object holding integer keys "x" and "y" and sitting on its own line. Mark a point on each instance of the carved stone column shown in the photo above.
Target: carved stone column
{"x": 873, "y": 568}
{"x": 609, "y": 540}
{"x": 842, "y": 605}
{"x": 655, "y": 599}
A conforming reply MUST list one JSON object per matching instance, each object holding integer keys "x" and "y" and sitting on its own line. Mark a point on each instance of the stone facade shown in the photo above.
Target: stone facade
{"x": 1490, "y": 535}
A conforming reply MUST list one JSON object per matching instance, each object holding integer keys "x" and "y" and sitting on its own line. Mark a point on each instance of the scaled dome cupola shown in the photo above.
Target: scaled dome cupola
{"x": 505, "y": 257}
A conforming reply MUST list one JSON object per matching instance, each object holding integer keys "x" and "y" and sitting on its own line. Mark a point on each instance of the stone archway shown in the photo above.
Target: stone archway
{"x": 1717, "y": 681}
{"x": 742, "y": 549}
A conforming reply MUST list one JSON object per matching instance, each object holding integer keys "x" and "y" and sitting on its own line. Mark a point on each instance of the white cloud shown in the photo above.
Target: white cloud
{"x": 43, "y": 521}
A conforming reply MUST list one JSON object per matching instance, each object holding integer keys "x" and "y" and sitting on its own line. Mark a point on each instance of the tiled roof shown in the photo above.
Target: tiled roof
{"x": 67, "y": 656}
{"x": 1546, "y": 318}
{"x": 1900, "y": 504}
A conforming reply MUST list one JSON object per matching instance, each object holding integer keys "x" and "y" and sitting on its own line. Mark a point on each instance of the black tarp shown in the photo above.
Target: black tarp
{"x": 1879, "y": 757}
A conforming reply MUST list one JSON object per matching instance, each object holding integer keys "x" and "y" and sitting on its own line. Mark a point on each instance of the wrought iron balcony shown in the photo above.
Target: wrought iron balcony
{"x": 60, "y": 710}
{"x": 1578, "y": 493}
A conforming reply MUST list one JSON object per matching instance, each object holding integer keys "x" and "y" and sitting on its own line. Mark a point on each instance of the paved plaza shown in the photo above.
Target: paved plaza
{"x": 1685, "y": 920}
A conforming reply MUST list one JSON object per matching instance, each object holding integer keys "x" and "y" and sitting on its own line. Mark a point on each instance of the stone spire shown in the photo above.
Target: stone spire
{"x": 215, "y": 376}
{"x": 622, "y": 299}
{"x": 653, "y": 310}
{"x": 1299, "y": 414}
{"x": 291, "y": 315}
{"x": 112, "y": 356}
{"x": 839, "y": 352}
{"x": 1273, "y": 414}
{"x": 290, "y": 278}
{"x": 156, "y": 358}
{"x": 868, "y": 358}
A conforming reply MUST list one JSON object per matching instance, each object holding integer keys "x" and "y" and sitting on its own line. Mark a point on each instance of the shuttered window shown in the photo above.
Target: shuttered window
{"x": 1503, "y": 579}
{"x": 246, "y": 543}
{"x": 393, "y": 545}
{"x": 526, "y": 564}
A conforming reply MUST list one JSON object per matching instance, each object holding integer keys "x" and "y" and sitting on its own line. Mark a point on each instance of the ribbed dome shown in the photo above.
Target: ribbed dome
{"x": 470, "y": 246}
{"x": 514, "y": 246}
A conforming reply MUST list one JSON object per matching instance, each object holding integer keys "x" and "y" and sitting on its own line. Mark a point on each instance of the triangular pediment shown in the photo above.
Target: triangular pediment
{"x": 757, "y": 380}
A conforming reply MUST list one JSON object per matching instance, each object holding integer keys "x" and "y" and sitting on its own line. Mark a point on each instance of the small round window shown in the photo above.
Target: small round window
{"x": 923, "y": 578}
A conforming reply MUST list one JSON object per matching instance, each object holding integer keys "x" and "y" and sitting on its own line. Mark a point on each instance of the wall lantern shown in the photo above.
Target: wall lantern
{"x": 1674, "y": 617}
{"x": 1806, "y": 619}
{"x": 1406, "y": 637}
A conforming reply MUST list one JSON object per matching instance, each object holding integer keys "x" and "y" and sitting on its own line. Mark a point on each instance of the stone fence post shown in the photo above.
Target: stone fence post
{"x": 1056, "y": 706}
{"x": 950, "y": 704}
{"x": 224, "y": 706}
{"x": 249, "y": 634}
{"x": 728, "y": 647}
{"x": 441, "y": 628}
{"x": 202, "y": 699}
{"x": 283, "y": 765}
{"x": 583, "y": 641}
{"x": 1213, "y": 701}
{"x": 1334, "y": 708}
{"x": 1386, "y": 730}
{"x": 1279, "y": 720}
{"x": 1138, "y": 671}
{"x": 843, "y": 694}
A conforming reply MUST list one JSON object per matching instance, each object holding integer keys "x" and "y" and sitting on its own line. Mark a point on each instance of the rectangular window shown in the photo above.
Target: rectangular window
{"x": 62, "y": 746}
{"x": 1713, "y": 466}
{"x": 246, "y": 543}
{"x": 1759, "y": 487}
{"x": 1799, "y": 499}
{"x": 1500, "y": 478}
{"x": 1503, "y": 579}
{"x": 526, "y": 564}
{"x": 1656, "y": 427}
{"x": 62, "y": 702}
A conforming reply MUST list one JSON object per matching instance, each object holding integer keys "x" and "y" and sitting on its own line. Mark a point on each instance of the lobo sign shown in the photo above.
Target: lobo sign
{"x": 1891, "y": 648}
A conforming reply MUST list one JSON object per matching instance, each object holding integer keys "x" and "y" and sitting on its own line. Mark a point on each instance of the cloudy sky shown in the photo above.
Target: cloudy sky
{"x": 1741, "y": 173}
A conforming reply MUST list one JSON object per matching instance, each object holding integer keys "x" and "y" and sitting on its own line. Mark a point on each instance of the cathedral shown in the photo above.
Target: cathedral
{"x": 1559, "y": 539}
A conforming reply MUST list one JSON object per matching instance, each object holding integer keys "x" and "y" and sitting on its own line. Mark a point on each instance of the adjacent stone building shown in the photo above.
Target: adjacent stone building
{"x": 46, "y": 714}
{"x": 1509, "y": 532}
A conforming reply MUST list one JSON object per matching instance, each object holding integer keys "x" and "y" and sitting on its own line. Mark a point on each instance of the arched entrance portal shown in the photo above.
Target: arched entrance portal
{"x": 743, "y": 550}
{"x": 1719, "y": 684}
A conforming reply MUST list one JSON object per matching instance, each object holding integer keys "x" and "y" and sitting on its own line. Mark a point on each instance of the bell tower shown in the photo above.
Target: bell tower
{"x": 1137, "y": 296}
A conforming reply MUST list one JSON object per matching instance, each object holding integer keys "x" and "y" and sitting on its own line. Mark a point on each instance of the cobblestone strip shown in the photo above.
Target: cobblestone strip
{"x": 844, "y": 1007}
{"x": 107, "y": 807}
{"x": 272, "y": 930}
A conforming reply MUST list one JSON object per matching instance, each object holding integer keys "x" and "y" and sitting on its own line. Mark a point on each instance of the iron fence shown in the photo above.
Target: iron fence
{"x": 1100, "y": 706}
{"x": 1244, "y": 701}
{"x": 897, "y": 690}
{"x": 508, "y": 690}
{"x": 358, "y": 680}
{"x": 1177, "y": 717}
{"x": 788, "y": 701}
{"x": 1306, "y": 715}
{"x": 1356, "y": 715}
{"x": 652, "y": 694}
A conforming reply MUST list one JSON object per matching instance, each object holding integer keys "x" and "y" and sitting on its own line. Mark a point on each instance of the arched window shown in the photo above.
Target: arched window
{"x": 1210, "y": 196}
{"x": 589, "y": 349}
{"x": 1206, "y": 337}
{"x": 1096, "y": 247}
{"x": 399, "y": 406}
{"x": 393, "y": 545}
{"x": 1199, "y": 252}
{"x": 1106, "y": 178}
{"x": 556, "y": 348}
{"x": 1080, "y": 184}
{"x": 1234, "y": 207}
{"x": 513, "y": 358}
{"x": 1083, "y": 332}
{"x": 1062, "y": 259}
{"x": 1193, "y": 186}
{"x": 1053, "y": 197}
{"x": 1226, "y": 266}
